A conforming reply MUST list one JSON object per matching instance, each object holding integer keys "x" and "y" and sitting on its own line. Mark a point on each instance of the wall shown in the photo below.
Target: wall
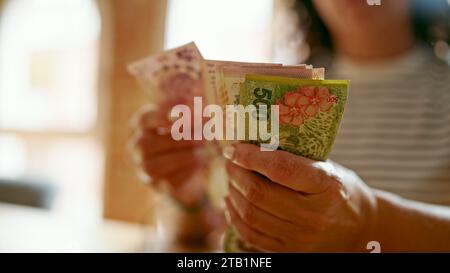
{"x": 133, "y": 29}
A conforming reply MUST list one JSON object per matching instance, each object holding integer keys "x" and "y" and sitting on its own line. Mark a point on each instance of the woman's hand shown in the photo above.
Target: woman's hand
{"x": 280, "y": 202}
{"x": 175, "y": 166}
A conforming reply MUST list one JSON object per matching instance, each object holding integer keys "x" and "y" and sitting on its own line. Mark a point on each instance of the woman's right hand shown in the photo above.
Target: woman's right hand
{"x": 166, "y": 164}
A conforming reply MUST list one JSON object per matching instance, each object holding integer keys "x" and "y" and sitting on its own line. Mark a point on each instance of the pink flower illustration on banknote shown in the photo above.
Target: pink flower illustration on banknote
{"x": 306, "y": 102}
{"x": 180, "y": 88}
{"x": 186, "y": 54}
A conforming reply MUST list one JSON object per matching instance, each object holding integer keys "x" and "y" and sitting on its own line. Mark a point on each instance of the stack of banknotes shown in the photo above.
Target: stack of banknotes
{"x": 310, "y": 108}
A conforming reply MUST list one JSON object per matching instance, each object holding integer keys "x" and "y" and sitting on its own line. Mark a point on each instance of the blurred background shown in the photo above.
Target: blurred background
{"x": 66, "y": 180}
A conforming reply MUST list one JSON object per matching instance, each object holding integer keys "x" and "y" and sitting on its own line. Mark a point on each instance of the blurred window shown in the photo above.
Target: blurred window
{"x": 48, "y": 98}
{"x": 231, "y": 30}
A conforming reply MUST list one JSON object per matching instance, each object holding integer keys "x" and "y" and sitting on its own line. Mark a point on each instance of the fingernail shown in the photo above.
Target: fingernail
{"x": 162, "y": 130}
{"x": 228, "y": 152}
{"x": 227, "y": 213}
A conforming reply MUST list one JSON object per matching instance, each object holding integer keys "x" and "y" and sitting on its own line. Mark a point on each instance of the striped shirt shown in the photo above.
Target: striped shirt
{"x": 396, "y": 128}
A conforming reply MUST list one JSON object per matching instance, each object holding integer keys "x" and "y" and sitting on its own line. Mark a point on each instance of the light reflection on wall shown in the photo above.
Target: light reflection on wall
{"x": 48, "y": 100}
{"x": 232, "y": 29}
{"x": 48, "y": 69}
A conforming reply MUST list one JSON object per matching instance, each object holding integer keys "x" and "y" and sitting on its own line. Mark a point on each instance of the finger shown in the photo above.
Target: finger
{"x": 262, "y": 221}
{"x": 257, "y": 239}
{"x": 150, "y": 144}
{"x": 289, "y": 170}
{"x": 168, "y": 164}
{"x": 270, "y": 197}
{"x": 136, "y": 117}
{"x": 150, "y": 117}
{"x": 187, "y": 187}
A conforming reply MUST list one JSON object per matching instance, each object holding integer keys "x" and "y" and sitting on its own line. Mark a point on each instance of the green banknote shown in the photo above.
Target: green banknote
{"x": 310, "y": 111}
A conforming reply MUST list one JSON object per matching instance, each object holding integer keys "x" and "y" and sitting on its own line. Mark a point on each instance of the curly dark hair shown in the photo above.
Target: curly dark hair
{"x": 431, "y": 23}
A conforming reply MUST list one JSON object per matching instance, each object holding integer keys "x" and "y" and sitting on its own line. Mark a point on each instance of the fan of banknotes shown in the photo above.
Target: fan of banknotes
{"x": 310, "y": 108}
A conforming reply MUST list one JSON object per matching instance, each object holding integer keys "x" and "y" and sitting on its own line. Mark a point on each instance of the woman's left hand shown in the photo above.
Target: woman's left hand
{"x": 280, "y": 202}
